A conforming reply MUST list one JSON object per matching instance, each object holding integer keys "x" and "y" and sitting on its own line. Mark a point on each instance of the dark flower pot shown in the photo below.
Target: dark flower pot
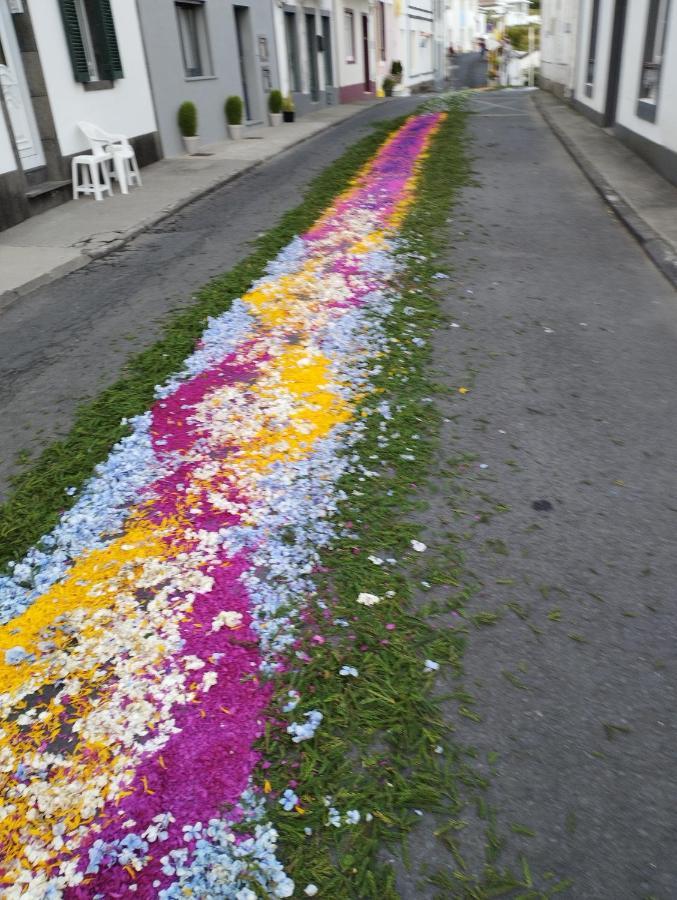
{"x": 288, "y": 115}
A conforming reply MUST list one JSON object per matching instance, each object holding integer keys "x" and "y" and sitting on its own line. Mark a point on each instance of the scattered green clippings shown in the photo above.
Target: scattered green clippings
{"x": 514, "y": 679}
{"x": 611, "y": 730}
{"x": 571, "y": 823}
{"x": 516, "y": 828}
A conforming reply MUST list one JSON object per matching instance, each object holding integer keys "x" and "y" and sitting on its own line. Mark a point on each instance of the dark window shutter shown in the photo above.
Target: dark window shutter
{"x": 74, "y": 40}
{"x": 111, "y": 51}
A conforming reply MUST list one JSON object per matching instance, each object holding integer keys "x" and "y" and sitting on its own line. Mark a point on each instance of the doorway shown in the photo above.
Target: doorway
{"x": 615, "y": 59}
{"x": 365, "y": 52}
{"x": 245, "y": 54}
{"x": 17, "y": 96}
{"x": 311, "y": 43}
{"x": 326, "y": 52}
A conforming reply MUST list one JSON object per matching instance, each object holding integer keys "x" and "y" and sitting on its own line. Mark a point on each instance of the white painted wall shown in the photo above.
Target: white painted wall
{"x": 320, "y": 7}
{"x": 126, "y": 108}
{"x": 559, "y": 33}
{"x": 462, "y": 25}
{"x": 664, "y": 130}
{"x": 351, "y": 74}
{"x": 417, "y": 30}
{"x": 605, "y": 23}
{"x": 7, "y": 162}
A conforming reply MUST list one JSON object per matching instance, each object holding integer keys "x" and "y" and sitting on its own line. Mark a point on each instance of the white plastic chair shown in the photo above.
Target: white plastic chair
{"x": 123, "y": 167}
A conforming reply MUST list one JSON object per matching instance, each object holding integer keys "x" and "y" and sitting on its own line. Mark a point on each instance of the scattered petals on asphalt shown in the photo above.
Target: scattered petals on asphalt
{"x": 418, "y": 546}
{"x": 146, "y": 635}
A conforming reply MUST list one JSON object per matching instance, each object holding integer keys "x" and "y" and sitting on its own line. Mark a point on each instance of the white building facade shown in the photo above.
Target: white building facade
{"x": 621, "y": 70}
{"x": 463, "y": 25}
{"x": 559, "y": 33}
{"x": 61, "y": 62}
{"x": 305, "y": 35}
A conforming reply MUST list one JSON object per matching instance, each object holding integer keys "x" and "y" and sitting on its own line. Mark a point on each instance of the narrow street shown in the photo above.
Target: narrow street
{"x": 567, "y": 337}
{"x": 551, "y": 495}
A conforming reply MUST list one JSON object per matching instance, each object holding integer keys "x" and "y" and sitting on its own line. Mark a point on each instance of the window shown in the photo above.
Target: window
{"x": 92, "y": 41}
{"x": 654, "y": 47}
{"x": 87, "y": 42}
{"x": 590, "y": 74}
{"x": 193, "y": 36}
{"x": 292, "y": 51}
{"x": 381, "y": 30}
{"x": 349, "y": 25}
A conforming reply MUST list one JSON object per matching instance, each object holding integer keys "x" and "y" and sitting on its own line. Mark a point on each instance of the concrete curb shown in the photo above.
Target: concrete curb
{"x": 7, "y": 298}
{"x": 659, "y": 251}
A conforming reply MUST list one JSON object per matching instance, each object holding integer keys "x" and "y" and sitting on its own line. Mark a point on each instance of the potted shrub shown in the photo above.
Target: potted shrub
{"x": 396, "y": 71}
{"x": 187, "y": 119}
{"x": 288, "y": 109}
{"x": 234, "y": 108}
{"x": 275, "y": 107}
{"x": 388, "y": 85}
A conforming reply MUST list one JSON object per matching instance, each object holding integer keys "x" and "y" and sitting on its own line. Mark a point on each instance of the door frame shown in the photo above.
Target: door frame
{"x": 365, "y": 53}
{"x": 615, "y": 62}
{"x": 311, "y": 48}
{"x": 15, "y": 70}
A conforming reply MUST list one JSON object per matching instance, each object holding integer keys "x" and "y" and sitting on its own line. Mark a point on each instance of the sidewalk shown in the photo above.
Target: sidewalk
{"x": 644, "y": 201}
{"x": 69, "y": 236}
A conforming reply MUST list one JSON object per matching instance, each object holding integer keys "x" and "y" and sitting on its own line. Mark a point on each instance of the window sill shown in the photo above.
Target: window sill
{"x": 350, "y": 61}
{"x": 98, "y": 85}
{"x": 201, "y": 77}
{"x": 646, "y": 109}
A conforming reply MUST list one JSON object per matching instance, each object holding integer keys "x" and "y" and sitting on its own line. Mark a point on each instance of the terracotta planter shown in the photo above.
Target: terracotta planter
{"x": 288, "y": 115}
{"x": 191, "y": 144}
{"x": 235, "y": 132}
{"x": 275, "y": 118}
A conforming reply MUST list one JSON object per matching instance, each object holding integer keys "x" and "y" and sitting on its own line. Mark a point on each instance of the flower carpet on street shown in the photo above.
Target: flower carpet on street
{"x": 147, "y": 640}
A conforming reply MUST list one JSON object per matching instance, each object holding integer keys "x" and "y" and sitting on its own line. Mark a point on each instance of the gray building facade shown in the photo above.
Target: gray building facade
{"x": 205, "y": 50}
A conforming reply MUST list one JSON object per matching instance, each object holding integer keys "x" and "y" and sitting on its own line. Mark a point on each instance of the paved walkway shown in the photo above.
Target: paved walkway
{"x": 640, "y": 197}
{"x": 69, "y": 236}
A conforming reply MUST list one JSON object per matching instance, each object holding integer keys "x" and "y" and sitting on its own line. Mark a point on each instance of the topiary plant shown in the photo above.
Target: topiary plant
{"x": 287, "y": 104}
{"x": 275, "y": 102}
{"x": 234, "y": 108}
{"x": 396, "y": 68}
{"x": 187, "y": 119}
{"x": 388, "y": 85}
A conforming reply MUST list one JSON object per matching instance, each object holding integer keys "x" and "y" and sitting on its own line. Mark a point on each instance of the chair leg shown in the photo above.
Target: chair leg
{"x": 137, "y": 174}
{"x": 121, "y": 174}
{"x": 75, "y": 178}
{"x": 96, "y": 184}
{"x": 106, "y": 177}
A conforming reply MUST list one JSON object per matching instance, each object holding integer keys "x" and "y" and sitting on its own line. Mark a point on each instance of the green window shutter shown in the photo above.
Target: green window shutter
{"x": 74, "y": 40}
{"x": 111, "y": 51}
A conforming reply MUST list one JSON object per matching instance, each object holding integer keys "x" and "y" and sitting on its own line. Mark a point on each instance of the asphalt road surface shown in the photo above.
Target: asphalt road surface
{"x": 567, "y": 338}
{"x": 65, "y": 342}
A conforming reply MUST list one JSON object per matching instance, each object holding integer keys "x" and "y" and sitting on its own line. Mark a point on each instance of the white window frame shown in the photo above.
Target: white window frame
{"x": 349, "y": 33}
{"x": 193, "y": 38}
{"x": 654, "y": 47}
